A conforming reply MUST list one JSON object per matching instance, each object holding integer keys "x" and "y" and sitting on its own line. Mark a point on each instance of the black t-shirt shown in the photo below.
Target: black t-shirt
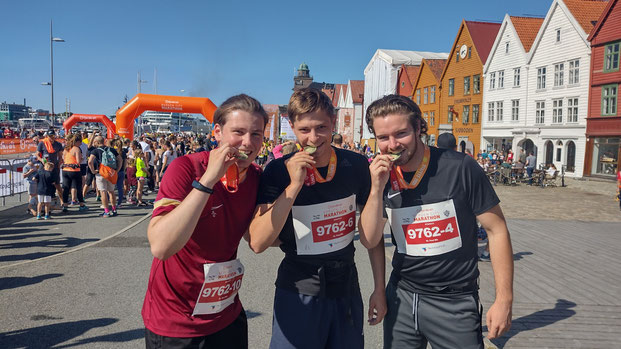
{"x": 301, "y": 272}
{"x": 53, "y": 157}
{"x": 98, "y": 154}
{"x": 450, "y": 176}
{"x": 45, "y": 182}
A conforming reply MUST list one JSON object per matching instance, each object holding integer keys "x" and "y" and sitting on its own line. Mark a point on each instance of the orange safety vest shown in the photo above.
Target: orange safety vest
{"x": 70, "y": 164}
{"x": 48, "y": 145}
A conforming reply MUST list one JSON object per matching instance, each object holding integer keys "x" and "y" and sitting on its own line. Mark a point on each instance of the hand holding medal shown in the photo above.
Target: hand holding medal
{"x": 222, "y": 166}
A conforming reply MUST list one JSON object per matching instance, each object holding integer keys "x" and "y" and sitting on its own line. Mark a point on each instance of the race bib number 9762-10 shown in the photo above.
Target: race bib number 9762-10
{"x": 222, "y": 282}
{"x": 326, "y": 227}
{"x": 426, "y": 230}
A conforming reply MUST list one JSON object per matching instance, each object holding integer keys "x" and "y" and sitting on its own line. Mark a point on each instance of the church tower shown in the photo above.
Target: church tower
{"x": 303, "y": 79}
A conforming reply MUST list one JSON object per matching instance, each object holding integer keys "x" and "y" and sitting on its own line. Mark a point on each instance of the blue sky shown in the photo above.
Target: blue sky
{"x": 214, "y": 49}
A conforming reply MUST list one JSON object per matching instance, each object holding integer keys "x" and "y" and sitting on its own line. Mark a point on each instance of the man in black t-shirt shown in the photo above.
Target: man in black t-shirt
{"x": 307, "y": 205}
{"x": 432, "y": 199}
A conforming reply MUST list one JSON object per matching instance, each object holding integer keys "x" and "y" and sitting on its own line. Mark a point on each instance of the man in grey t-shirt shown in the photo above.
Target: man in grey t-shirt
{"x": 531, "y": 162}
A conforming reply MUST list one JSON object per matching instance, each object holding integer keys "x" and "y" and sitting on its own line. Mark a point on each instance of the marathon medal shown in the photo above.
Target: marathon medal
{"x": 313, "y": 176}
{"x": 397, "y": 181}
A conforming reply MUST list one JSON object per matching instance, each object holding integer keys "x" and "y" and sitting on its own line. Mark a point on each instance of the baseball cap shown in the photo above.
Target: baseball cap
{"x": 50, "y": 133}
{"x": 447, "y": 141}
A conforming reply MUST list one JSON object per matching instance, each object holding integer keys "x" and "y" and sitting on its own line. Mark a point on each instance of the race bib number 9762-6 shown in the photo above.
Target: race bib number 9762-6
{"x": 425, "y": 230}
{"x": 325, "y": 227}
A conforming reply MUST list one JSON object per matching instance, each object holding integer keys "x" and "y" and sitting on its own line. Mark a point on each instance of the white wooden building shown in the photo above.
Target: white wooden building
{"x": 558, "y": 85}
{"x": 505, "y": 91}
{"x": 381, "y": 75}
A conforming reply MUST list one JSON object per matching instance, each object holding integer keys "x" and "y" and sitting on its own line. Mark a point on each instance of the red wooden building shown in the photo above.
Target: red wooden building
{"x": 603, "y": 130}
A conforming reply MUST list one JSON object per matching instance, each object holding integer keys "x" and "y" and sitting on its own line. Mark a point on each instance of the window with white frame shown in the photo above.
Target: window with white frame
{"x": 611, "y": 57}
{"x": 515, "y": 110}
{"x": 492, "y": 80}
{"x": 466, "y": 114}
{"x": 516, "y": 77}
{"x": 558, "y": 35}
{"x": 507, "y": 47}
{"x": 559, "y": 72}
{"x": 476, "y": 83}
{"x": 572, "y": 109}
{"x": 426, "y": 117}
{"x": 418, "y": 96}
{"x": 466, "y": 85}
{"x": 490, "y": 111}
{"x": 432, "y": 118}
{"x": 450, "y": 113}
{"x": 609, "y": 99}
{"x": 501, "y": 79}
{"x": 540, "y": 112}
{"x": 541, "y": 78}
{"x": 451, "y": 87}
{"x": 499, "y": 110}
{"x": 557, "y": 111}
{"x": 475, "y": 113}
{"x": 574, "y": 72}
{"x": 432, "y": 94}
{"x": 425, "y": 95}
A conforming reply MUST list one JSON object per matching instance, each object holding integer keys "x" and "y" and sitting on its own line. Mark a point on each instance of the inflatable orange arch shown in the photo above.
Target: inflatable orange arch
{"x": 75, "y": 118}
{"x": 141, "y": 102}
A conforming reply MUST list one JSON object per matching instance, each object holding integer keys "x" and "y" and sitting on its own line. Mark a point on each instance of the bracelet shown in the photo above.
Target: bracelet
{"x": 198, "y": 186}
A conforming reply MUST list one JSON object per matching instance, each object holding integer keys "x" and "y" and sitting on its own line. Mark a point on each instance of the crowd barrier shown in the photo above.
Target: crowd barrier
{"x": 12, "y": 180}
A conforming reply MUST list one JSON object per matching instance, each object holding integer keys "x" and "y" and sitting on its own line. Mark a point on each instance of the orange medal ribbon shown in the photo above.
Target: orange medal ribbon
{"x": 313, "y": 176}
{"x": 397, "y": 181}
{"x": 231, "y": 178}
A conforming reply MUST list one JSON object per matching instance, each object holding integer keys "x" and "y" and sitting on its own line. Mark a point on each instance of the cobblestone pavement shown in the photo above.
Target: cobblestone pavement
{"x": 580, "y": 200}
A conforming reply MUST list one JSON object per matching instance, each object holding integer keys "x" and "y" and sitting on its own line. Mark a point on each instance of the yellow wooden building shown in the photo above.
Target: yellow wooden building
{"x": 426, "y": 93}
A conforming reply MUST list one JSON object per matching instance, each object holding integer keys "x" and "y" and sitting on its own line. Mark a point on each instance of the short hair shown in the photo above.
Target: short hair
{"x": 239, "y": 102}
{"x": 289, "y": 148}
{"x": 309, "y": 100}
{"x": 49, "y": 166}
{"x": 395, "y": 104}
{"x": 98, "y": 139}
{"x": 337, "y": 139}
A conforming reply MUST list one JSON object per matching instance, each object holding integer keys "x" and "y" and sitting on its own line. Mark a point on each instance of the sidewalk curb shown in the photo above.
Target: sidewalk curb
{"x": 487, "y": 344}
{"x": 83, "y": 246}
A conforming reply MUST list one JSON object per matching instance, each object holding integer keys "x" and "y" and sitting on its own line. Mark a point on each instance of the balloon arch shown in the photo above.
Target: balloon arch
{"x": 142, "y": 102}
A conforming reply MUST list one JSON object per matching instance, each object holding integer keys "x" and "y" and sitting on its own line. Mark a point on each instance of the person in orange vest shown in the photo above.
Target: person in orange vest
{"x": 71, "y": 171}
{"x": 49, "y": 149}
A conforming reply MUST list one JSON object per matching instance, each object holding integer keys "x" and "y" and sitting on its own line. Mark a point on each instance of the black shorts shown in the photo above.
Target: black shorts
{"x": 90, "y": 178}
{"x": 83, "y": 169}
{"x": 234, "y": 336}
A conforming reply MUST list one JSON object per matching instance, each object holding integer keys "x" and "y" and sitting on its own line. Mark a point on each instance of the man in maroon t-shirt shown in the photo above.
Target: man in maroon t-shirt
{"x": 203, "y": 208}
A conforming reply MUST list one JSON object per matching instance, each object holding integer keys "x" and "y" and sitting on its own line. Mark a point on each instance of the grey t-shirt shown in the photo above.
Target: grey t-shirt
{"x": 531, "y": 161}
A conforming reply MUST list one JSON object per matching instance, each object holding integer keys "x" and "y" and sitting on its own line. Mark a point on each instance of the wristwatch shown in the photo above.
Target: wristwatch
{"x": 197, "y": 185}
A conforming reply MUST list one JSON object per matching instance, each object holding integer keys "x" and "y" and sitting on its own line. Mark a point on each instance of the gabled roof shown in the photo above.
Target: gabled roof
{"x": 357, "y": 91}
{"x": 398, "y": 57}
{"x": 602, "y": 19}
{"x": 411, "y": 72}
{"x": 436, "y": 66}
{"x": 483, "y": 35}
{"x": 586, "y": 12}
{"x": 526, "y": 29}
{"x": 582, "y": 14}
{"x": 339, "y": 88}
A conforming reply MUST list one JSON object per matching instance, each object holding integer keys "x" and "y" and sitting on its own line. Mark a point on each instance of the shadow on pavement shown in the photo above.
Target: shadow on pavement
{"x": 27, "y": 256}
{"x": 27, "y": 236}
{"x": 51, "y": 335}
{"x": 118, "y": 337}
{"x": 64, "y": 242}
{"x": 520, "y": 255}
{"x": 252, "y": 314}
{"x": 20, "y": 281}
{"x": 561, "y": 311}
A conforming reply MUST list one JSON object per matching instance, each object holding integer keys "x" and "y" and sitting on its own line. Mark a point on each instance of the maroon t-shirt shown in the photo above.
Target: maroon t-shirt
{"x": 174, "y": 284}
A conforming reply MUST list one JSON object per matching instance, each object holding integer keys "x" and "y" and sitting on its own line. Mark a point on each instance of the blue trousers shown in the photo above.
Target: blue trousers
{"x": 119, "y": 187}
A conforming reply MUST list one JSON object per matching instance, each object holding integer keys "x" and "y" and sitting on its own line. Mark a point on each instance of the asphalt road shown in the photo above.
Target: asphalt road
{"x": 92, "y": 297}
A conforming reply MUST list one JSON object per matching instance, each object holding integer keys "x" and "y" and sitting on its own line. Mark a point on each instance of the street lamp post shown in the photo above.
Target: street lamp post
{"x": 52, "y": 40}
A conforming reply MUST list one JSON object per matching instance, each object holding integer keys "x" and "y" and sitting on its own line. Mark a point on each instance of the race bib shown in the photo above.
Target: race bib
{"x": 325, "y": 227}
{"x": 426, "y": 230}
{"x": 222, "y": 282}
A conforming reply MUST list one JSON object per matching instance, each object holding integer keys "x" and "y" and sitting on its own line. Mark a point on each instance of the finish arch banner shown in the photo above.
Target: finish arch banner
{"x": 142, "y": 102}
{"x": 75, "y": 118}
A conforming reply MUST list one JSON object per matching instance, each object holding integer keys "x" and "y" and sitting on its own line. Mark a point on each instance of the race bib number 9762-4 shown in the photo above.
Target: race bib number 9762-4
{"x": 425, "y": 230}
